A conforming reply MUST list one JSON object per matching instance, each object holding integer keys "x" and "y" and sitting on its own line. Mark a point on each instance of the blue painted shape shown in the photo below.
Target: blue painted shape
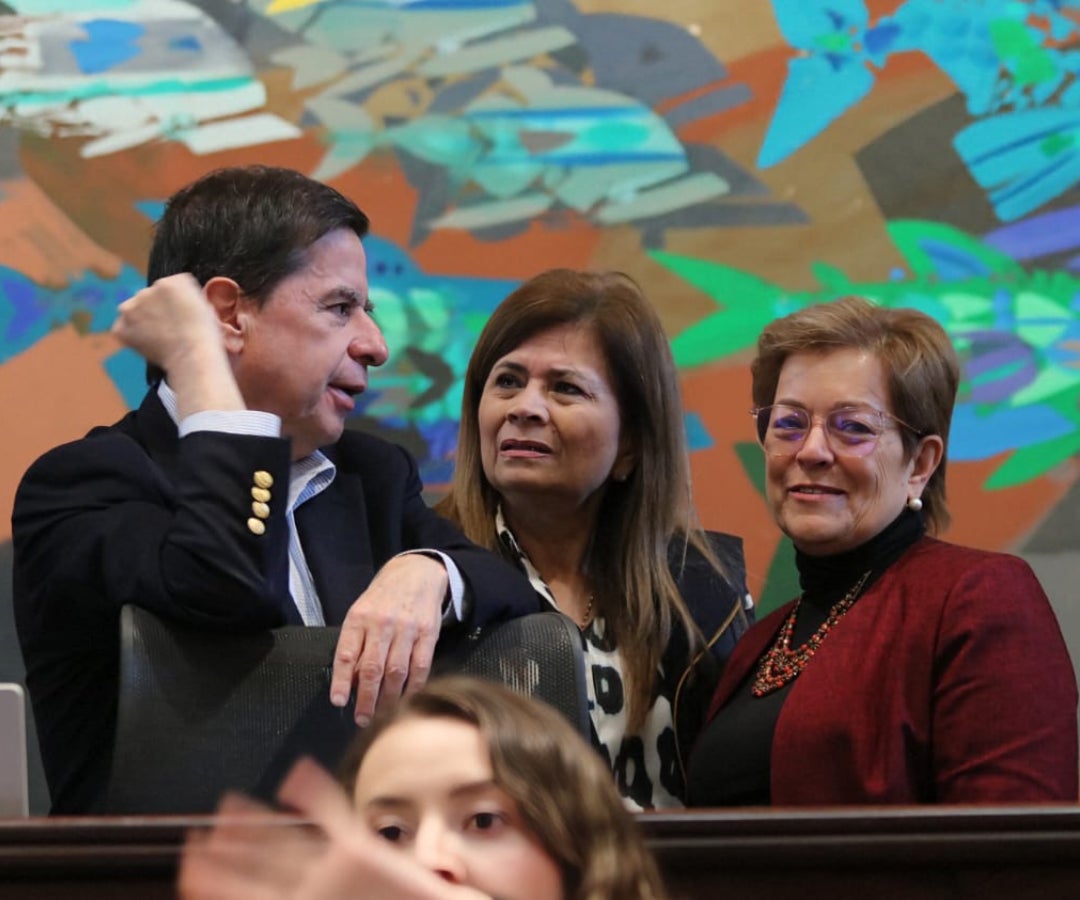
{"x": 108, "y": 43}
{"x": 127, "y": 370}
{"x": 697, "y": 435}
{"x": 19, "y": 293}
{"x": 952, "y": 263}
{"x": 29, "y": 311}
{"x": 976, "y": 435}
{"x": 1024, "y": 159}
{"x": 880, "y": 40}
{"x": 187, "y": 42}
{"x": 152, "y": 209}
{"x": 814, "y": 95}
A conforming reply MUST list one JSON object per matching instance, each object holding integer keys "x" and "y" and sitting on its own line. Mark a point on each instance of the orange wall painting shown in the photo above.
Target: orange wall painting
{"x": 740, "y": 160}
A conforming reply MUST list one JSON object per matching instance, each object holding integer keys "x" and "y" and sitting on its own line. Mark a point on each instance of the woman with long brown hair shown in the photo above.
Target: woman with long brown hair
{"x": 572, "y": 463}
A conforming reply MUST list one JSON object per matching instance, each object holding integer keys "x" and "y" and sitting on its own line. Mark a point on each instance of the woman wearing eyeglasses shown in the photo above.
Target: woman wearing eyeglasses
{"x": 909, "y": 670}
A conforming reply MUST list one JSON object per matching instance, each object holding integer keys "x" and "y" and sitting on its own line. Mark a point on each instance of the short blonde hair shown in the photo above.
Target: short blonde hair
{"x": 921, "y": 369}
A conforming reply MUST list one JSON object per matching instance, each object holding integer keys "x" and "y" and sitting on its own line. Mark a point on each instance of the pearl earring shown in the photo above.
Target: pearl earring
{"x": 914, "y": 504}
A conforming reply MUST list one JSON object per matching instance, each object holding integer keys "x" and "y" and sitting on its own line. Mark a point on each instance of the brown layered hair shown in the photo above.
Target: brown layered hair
{"x": 561, "y": 786}
{"x": 921, "y": 370}
{"x": 638, "y": 519}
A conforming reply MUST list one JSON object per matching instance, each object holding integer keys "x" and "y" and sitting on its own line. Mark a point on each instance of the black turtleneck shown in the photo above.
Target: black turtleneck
{"x": 729, "y": 765}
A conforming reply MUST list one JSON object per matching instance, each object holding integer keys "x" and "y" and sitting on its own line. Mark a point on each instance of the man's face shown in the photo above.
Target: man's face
{"x": 306, "y": 351}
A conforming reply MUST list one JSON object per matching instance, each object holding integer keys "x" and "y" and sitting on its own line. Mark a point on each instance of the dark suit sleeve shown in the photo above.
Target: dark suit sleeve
{"x": 97, "y": 524}
{"x": 494, "y": 589}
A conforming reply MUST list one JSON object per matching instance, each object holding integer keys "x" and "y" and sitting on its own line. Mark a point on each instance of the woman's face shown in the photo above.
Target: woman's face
{"x": 826, "y": 502}
{"x": 549, "y": 421}
{"x": 427, "y": 786}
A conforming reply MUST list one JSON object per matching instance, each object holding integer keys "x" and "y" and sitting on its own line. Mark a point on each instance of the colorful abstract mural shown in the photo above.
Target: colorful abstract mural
{"x": 740, "y": 160}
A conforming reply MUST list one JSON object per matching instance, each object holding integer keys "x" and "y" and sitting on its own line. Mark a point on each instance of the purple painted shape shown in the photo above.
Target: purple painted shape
{"x": 1052, "y": 232}
{"x": 22, "y": 299}
{"x": 1005, "y": 353}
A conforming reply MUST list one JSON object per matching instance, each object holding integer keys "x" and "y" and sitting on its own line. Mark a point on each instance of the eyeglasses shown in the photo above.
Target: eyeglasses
{"x": 850, "y": 430}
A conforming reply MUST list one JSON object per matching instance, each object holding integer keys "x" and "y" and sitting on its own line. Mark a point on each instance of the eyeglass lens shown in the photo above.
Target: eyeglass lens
{"x": 850, "y": 431}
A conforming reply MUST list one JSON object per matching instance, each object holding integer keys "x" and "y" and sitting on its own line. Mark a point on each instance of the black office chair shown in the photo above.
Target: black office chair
{"x": 200, "y": 713}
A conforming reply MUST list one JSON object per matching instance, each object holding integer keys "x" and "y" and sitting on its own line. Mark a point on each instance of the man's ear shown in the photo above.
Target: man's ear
{"x": 231, "y": 306}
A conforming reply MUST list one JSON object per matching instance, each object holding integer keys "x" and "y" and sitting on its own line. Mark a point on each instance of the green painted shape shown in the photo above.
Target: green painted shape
{"x": 1040, "y": 336}
{"x": 909, "y": 234}
{"x": 831, "y": 278}
{"x": 1014, "y": 43}
{"x": 781, "y": 582}
{"x": 1028, "y": 463}
{"x": 1056, "y": 144}
{"x": 782, "y": 579}
{"x": 753, "y": 462}
{"x": 970, "y": 309}
{"x": 1046, "y": 383}
{"x": 747, "y": 307}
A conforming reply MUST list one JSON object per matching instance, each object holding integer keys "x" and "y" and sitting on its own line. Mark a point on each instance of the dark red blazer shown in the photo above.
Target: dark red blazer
{"x": 947, "y": 682}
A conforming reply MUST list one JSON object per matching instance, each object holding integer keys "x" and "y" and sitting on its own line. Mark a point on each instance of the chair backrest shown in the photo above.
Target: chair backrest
{"x": 14, "y": 786}
{"x": 200, "y": 713}
{"x": 539, "y": 655}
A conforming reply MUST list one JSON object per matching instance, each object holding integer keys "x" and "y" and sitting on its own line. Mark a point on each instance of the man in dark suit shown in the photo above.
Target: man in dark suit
{"x": 234, "y": 498}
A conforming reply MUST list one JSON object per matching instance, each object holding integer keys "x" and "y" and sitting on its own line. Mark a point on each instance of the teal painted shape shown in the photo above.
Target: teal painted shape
{"x": 127, "y": 370}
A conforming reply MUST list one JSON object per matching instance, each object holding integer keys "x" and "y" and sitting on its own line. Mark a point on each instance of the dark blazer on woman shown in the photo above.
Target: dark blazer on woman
{"x": 719, "y": 608}
{"x": 131, "y": 514}
{"x": 948, "y": 681}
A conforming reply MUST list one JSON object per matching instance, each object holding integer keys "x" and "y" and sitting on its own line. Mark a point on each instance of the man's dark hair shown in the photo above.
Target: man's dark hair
{"x": 252, "y": 224}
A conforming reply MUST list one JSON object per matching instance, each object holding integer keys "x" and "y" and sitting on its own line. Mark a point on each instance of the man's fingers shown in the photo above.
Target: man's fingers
{"x": 350, "y": 643}
{"x": 370, "y": 670}
{"x": 397, "y": 670}
{"x": 423, "y": 653}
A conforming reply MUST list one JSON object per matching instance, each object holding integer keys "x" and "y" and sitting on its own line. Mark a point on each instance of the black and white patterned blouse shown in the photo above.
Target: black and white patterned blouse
{"x": 642, "y": 762}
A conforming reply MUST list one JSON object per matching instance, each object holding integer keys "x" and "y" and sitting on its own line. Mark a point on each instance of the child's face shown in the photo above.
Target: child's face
{"x": 427, "y": 786}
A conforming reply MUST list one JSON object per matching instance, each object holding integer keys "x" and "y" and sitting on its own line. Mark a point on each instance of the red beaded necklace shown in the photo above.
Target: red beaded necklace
{"x": 781, "y": 664}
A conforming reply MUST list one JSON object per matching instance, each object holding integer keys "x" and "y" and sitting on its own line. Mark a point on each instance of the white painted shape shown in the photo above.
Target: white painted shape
{"x": 249, "y": 131}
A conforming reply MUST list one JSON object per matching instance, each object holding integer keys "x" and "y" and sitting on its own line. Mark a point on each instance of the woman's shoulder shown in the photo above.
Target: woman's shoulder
{"x": 950, "y": 566}
{"x": 700, "y": 583}
{"x": 958, "y": 557}
{"x": 725, "y": 545}
{"x": 683, "y": 554}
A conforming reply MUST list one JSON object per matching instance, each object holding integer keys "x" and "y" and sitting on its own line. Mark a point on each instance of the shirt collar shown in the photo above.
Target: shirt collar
{"x": 307, "y": 477}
